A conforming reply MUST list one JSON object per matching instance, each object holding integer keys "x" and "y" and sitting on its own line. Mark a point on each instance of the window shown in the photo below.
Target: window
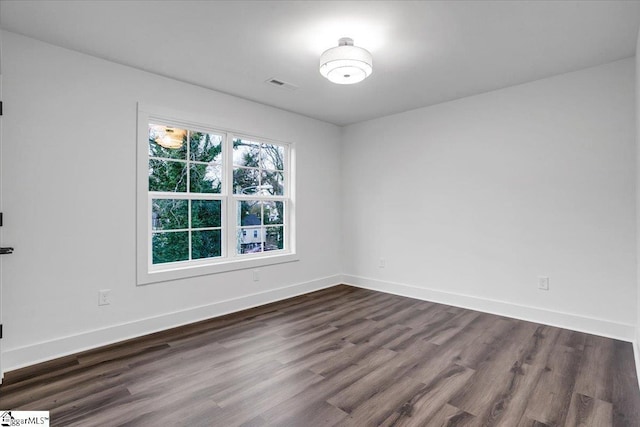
{"x": 185, "y": 183}
{"x": 259, "y": 186}
{"x": 209, "y": 200}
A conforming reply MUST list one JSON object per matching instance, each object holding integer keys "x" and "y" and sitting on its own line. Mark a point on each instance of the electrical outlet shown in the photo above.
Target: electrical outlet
{"x": 256, "y": 275}
{"x": 104, "y": 297}
{"x": 543, "y": 283}
{"x": 382, "y": 263}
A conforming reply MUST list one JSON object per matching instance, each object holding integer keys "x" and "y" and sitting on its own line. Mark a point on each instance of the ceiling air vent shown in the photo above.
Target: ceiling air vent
{"x": 281, "y": 84}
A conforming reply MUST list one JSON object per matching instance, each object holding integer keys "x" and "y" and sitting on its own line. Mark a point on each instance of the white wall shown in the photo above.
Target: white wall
{"x": 470, "y": 201}
{"x": 68, "y": 168}
{"x": 638, "y": 193}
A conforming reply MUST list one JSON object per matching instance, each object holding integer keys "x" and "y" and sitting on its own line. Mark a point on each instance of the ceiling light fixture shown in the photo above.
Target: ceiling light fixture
{"x": 346, "y": 64}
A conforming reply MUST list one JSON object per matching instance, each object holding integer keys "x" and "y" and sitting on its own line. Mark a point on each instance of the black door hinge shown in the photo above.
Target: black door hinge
{"x": 4, "y": 251}
{"x": 0, "y": 330}
{"x": 0, "y": 108}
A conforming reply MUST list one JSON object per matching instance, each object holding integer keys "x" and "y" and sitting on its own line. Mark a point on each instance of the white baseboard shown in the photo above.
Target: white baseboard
{"x": 29, "y": 355}
{"x": 602, "y": 327}
{"x": 40, "y": 352}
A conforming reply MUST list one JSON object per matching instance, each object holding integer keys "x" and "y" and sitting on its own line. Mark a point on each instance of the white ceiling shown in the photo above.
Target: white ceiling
{"x": 424, "y": 52}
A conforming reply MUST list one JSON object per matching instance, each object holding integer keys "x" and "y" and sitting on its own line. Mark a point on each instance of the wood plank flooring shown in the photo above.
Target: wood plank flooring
{"x": 342, "y": 356}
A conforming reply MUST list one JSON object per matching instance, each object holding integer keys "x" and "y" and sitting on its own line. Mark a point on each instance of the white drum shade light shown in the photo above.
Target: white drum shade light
{"x": 346, "y": 64}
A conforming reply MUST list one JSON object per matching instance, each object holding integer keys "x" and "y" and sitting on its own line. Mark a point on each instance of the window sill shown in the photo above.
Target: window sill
{"x": 176, "y": 273}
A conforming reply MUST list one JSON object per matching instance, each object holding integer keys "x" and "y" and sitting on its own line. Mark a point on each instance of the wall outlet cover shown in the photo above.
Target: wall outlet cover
{"x": 543, "y": 283}
{"x": 104, "y": 297}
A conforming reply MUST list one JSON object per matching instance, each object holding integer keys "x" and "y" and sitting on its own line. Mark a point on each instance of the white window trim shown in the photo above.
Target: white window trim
{"x": 230, "y": 261}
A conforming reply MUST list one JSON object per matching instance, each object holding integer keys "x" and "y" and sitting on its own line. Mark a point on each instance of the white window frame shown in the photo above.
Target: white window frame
{"x": 147, "y": 272}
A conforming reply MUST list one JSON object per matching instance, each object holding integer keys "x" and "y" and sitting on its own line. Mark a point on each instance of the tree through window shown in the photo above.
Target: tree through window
{"x": 211, "y": 201}
{"x": 185, "y": 172}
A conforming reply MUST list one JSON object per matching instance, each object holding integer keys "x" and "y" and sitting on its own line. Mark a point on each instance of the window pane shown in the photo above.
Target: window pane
{"x": 170, "y": 247}
{"x": 205, "y": 147}
{"x": 273, "y": 183}
{"x": 205, "y": 213}
{"x": 167, "y": 175}
{"x": 273, "y": 212}
{"x": 246, "y": 181}
{"x": 249, "y": 213}
{"x": 167, "y": 141}
{"x": 250, "y": 240}
{"x": 272, "y": 157}
{"x": 169, "y": 214}
{"x": 205, "y": 178}
{"x": 246, "y": 153}
{"x": 274, "y": 239}
{"x": 206, "y": 244}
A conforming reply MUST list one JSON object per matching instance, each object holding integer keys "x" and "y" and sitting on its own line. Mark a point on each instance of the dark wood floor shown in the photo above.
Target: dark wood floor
{"x": 342, "y": 356}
